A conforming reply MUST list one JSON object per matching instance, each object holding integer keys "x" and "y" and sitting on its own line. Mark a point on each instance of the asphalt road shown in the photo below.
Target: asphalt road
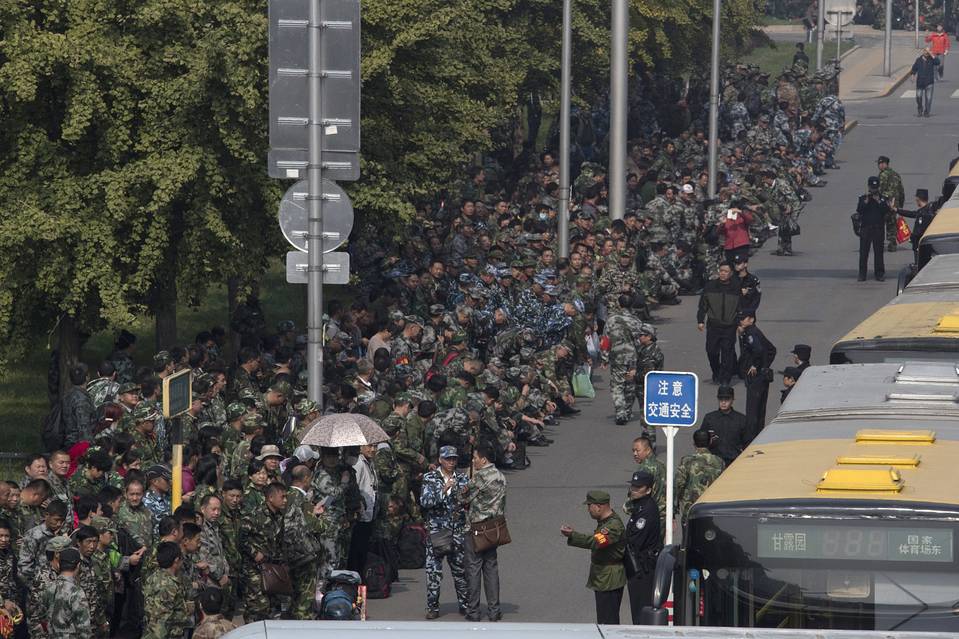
{"x": 810, "y": 298}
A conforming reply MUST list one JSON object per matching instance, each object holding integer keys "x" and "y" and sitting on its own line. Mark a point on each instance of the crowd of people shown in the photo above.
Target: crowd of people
{"x": 462, "y": 347}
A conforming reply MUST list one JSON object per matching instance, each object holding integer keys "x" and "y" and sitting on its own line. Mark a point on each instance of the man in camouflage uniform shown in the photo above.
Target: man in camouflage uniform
{"x": 783, "y": 206}
{"x": 165, "y": 603}
{"x": 211, "y": 551}
{"x": 104, "y": 388}
{"x": 304, "y": 553}
{"x": 133, "y": 516}
{"x": 330, "y": 483}
{"x": 37, "y": 607}
{"x": 77, "y": 412}
{"x": 623, "y": 278}
{"x": 263, "y": 531}
{"x": 890, "y": 188}
{"x": 623, "y": 328}
{"x": 214, "y": 624}
{"x": 87, "y": 539}
{"x": 67, "y": 612}
{"x": 695, "y": 473}
{"x": 144, "y": 418}
{"x": 645, "y": 457}
{"x": 34, "y": 541}
{"x": 648, "y": 358}
{"x": 445, "y": 512}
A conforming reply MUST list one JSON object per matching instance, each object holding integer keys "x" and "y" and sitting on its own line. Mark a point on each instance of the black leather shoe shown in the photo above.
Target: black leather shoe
{"x": 880, "y": 278}
{"x": 432, "y": 614}
{"x": 473, "y": 618}
{"x": 496, "y": 616}
{"x": 860, "y": 279}
{"x": 620, "y": 421}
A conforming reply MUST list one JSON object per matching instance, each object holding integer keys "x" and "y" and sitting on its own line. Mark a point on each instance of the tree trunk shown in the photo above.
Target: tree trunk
{"x": 166, "y": 316}
{"x": 68, "y": 347}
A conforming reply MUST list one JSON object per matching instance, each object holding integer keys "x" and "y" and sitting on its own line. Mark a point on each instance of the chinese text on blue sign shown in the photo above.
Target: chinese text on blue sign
{"x": 670, "y": 398}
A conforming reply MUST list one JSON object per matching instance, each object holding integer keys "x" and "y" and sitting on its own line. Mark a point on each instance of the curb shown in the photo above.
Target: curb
{"x": 855, "y": 48}
{"x": 896, "y": 84}
{"x": 850, "y": 125}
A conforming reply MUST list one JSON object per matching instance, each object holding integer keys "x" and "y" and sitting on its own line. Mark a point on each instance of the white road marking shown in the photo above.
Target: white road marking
{"x": 911, "y": 93}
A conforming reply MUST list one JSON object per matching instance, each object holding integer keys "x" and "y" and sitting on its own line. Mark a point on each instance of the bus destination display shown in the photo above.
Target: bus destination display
{"x": 867, "y": 543}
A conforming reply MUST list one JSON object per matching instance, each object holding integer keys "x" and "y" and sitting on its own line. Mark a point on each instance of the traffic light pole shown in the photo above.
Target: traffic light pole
{"x": 315, "y": 199}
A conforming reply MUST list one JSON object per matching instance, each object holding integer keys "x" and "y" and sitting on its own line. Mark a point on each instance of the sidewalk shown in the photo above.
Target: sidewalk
{"x": 861, "y": 77}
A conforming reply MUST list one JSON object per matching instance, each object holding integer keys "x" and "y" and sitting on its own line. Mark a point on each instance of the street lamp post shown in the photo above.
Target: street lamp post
{"x": 820, "y": 32}
{"x": 618, "y": 85}
{"x": 564, "y": 108}
{"x": 887, "y": 42}
{"x": 714, "y": 102}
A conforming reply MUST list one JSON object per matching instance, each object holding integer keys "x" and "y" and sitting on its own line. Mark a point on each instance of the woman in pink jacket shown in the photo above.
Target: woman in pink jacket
{"x": 736, "y": 230}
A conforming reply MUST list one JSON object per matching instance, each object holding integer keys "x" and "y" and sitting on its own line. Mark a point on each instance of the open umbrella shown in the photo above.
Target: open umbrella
{"x": 344, "y": 429}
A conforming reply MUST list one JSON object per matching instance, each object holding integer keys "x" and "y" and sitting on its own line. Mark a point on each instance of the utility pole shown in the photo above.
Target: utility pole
{"x": 714, "y": 102}
{"x": 564, "y": 159}
{"x": 314, "y": 325}
{"x": 618, "y": 88}
{"x": 917, "y": 24}
{"x": 820, "y": 32}
{"x": 887, "y": 42}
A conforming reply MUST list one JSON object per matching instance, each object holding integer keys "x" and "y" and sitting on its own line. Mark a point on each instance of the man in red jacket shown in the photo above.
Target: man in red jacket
{"x": 938, "y": 44}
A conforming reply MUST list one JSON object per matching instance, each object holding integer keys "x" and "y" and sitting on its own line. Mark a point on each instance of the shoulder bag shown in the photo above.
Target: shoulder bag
{"x": 442, "y": 542}
{"x": 490, "y": 533}
{"x": 276, "y": 579}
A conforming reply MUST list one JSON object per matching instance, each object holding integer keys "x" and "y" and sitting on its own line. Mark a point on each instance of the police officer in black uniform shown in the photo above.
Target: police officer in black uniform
{"x": 727, "y": 426}
{"x": 756, "y": 355}
{"x": 923, "y": 215}
{"x": 873, "y": 211}
{"x": 643, "y": 542}
{"x": 801, "y": 353}
{"x": 748, "y": 284}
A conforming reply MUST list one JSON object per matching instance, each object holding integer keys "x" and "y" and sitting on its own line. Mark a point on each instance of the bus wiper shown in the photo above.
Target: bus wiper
{"x": 923, "y": 605}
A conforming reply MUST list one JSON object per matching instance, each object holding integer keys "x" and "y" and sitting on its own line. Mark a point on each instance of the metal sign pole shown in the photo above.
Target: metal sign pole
{"x": 564, "y": 108}
{"x": 820, "y": 33}
{"x": 670, "y": 469}
{"x": 618, "y": 88}
{"x": 315, "y": 199}
{"x": 887, "y": 42}
{"x": 917, "y": 24}
{"x": 714, "y": 103}
{"x": 839, "y": 34}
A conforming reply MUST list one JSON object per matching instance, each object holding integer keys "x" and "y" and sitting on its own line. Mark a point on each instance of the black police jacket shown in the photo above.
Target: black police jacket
{"x": 753, "y": 295}
{"x": 923, "y": 217}
{"x": 872, "y": 210}
{"x": 755, "y": 350}
{"x": 643, "y": 534}
{"x": 731, "y": 433}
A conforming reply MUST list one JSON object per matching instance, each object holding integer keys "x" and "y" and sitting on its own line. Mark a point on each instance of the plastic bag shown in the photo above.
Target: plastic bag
{"x": 582, "y": 387}
{"x": 902, "y": 230}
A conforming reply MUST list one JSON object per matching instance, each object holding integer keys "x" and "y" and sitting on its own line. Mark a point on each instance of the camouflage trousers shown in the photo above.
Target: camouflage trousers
{"x": 330, "y": 554}
{"x": 257, "y": 604}
{"x": 434, "y": 572}
{"x": 891, "y": 230}
{"x": 649, "y": 431}
{"x": 304, "y": 589}
{"x": 623, "y": 391}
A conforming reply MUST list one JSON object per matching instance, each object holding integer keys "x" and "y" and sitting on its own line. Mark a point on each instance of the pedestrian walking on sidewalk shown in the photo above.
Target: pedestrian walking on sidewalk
{"x": 924, "y": 68}
{"x": 938, "y": 43}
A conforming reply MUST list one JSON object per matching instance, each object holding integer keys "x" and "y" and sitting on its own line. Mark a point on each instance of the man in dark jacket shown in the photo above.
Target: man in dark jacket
{"x": 872, "y": 210}
{"x": 924, "y": 68}
{"x": 643, "y": 542}
{"x": 717, "y": 316}
{"x": 756, "y": 355}
{"x": 923, "y": 215}
{"x": 77, "y": 409}
{"x": 728, "y": 426}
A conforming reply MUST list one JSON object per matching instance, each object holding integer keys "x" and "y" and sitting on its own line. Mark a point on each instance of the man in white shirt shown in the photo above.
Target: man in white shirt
{"x": 362, "y": 531}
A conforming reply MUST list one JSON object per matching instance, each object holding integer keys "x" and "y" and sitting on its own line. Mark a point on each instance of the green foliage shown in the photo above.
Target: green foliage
{"x": 131, "y": 156}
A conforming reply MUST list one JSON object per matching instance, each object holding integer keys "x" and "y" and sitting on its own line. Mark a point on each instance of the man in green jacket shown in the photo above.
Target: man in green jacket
{"x": 607, "y": 575}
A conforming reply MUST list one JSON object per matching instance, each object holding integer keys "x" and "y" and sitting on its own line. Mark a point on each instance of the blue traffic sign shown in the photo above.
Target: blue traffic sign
{"x": 671, "y": 399}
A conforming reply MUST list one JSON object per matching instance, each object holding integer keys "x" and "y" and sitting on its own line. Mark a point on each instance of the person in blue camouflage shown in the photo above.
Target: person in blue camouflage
{"x": 443, "y": 501}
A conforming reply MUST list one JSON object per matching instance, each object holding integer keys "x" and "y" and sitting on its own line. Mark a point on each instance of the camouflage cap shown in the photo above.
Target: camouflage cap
{"x": 306, "y": 406}
{"x": 58, "y": 543}
{"x": 283, "y": 388}
{"x": 145, "y": 412}
{"x": 648, "y": 329}
{"x": 565, "y": 344}
{"x": 251, "y": 423}
{"x": 162, "y": 358}
{"x": 516, "y": 264}
{"x": 597, "y": 497}
{"x": 474, "y": 406}
{"x": 104, "y": 524}
{"x": 459, "y": 337}
{"x": 396, "y": 316}
{"x": 128, "y": 387}
{"x": 437, "y": 309}
{"x": 477, "y": 293}
{"x": 247, "y": 396}
{"x": 201, "y": 384}
{"x": 235, "y": 410}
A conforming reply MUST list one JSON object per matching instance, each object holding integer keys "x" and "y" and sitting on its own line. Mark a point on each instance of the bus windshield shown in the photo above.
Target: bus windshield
{"x": 824, "y": 574}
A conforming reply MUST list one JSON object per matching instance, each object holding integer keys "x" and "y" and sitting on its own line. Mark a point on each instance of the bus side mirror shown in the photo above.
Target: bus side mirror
{"x": 663, "y": 577}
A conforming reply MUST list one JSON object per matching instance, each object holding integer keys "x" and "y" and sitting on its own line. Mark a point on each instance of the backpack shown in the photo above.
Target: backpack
{"x": 52, "y": 431}
{"x": 386, "y": 549}
{"x": 411, "y": 547}
{"x": 376, "y": 577}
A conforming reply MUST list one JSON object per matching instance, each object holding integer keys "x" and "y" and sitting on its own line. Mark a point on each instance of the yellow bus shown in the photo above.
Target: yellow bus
{"x": 842, "y": 514}
{"x": 942, "y": 234}
{"x": 921, "y": 323}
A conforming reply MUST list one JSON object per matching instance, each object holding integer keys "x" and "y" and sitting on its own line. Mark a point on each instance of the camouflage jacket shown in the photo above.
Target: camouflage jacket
{"x": 212, "y": 552}
{"x": 67, "y": 611}
{"x": 8, "y": 576}
{"x": 32, "y": 549}
{"x": 79, "y": 416}
{"x": 890, "y": 186}
{"x": 159, "y": 505}
{"x": 693, "y": 476}
{"x": 213, "y": 627}
{"x": 148, "y": 449}
{"x": 487, "y": 494}
{"x": 262, "y": 531}
{"x": 80, "y": 485}
{"x": 409, "y": 444}
{"x": 36, "y": 606}
{"x": 137, "y": 522}
{"x": 229, "y": 524}
{"x": 443, "y": 510}
{"x": 298, "y": 536}
{"x": 650, "y": 358}
{"x": 102, "y": 390}
{"x": 96, "y": 597}
{"x": 165, "y": 612}
{"x": 623, "y": 328}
